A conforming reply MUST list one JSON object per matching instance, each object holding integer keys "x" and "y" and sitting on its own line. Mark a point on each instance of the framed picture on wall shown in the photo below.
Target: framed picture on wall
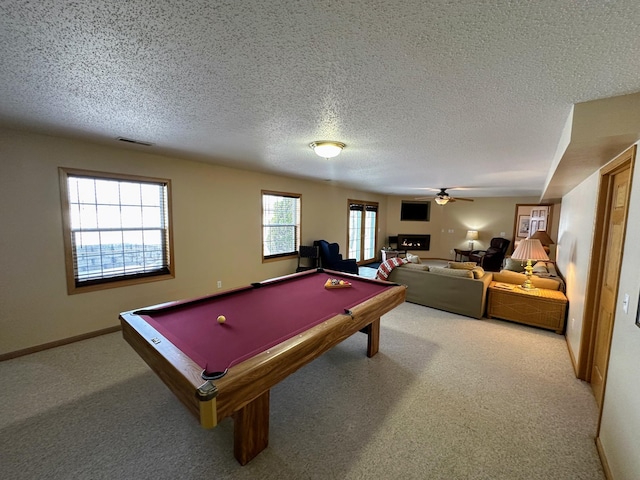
{"x": 525, "y": 214}
{"x": 523, "y": 225}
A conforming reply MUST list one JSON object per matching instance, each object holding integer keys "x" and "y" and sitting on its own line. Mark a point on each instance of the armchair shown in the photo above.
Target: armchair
{"x": 331, "y": 258}
{"x": 491, "y": 259}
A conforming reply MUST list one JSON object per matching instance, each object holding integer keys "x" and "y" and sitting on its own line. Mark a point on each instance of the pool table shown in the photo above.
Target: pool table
{"x": 222, "y": 368}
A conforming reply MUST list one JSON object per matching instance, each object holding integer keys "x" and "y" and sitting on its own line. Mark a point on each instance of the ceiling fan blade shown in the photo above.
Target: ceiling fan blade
{"x": 465, "y": 199}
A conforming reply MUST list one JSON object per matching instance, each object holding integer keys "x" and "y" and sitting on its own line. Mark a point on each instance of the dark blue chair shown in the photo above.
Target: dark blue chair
{"x": 308, "y": 258}
{"x": 331, "y": 258}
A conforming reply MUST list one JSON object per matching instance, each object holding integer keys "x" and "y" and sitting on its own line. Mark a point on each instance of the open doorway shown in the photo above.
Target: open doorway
{"x": 531, "y": 217}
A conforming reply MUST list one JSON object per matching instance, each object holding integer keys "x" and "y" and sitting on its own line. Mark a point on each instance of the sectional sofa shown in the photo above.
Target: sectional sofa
{"x": 450, "y": 289}
{"x": 462, "y": 287}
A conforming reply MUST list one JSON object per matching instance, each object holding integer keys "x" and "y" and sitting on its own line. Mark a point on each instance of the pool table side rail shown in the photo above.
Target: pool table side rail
{"x": 165, "y": 306}
{"x": 255, "y": 376}
{"x": 334, "y": 273}
{"x": 181, "y": 374}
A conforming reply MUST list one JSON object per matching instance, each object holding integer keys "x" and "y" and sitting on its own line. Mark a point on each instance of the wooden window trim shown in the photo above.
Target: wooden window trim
{"x": 72, "y": 287}
{"x": 284, "y": 256}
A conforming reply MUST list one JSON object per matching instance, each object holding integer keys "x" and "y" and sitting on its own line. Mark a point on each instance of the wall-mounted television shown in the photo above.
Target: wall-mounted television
{"x": 415, "y": 211}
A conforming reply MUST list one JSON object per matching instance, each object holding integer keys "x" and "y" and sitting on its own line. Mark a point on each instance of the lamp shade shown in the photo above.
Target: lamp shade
{"x": 472, "y": 234}
{"x": 529, "y": 249}
{"x": 543, "y": 236}
{"x": 442, "y": 200}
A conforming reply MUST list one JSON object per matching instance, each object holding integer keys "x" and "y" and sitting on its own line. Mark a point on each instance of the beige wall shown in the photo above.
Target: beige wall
{"x": 216, "y": 217}
{"x": 575, "y": 239}
{"x": 620, "y": 423}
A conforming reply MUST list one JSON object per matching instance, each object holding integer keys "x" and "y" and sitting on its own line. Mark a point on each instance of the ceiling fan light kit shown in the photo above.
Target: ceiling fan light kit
{"x": 327, "y": 149}
{"x": 442, "y": 197}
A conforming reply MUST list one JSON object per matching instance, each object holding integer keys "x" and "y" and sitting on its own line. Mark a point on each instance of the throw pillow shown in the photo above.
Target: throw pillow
{"x": 514, "y": 265}
{"x": 452, "y": 272}
{"x": 413, "y": 258}
{"x": 540, "y": 267}
{"x": 462, "y": 265}
{"x": 478, "y": 272}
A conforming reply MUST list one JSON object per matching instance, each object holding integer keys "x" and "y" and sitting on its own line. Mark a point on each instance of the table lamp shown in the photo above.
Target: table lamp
{"x": 471, "y": 236}
{"x": 529, "y": 249}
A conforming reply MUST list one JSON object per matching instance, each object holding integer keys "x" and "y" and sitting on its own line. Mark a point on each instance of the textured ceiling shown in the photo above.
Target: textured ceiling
{"x": 424, "y": 93}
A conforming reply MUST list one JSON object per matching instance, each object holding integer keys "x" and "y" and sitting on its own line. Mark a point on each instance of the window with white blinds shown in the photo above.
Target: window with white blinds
{"x": 117, "y": 229}
{"x": 280, "y": 224}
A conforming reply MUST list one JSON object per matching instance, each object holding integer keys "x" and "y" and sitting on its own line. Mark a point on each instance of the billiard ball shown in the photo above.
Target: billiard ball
{"x": 221, "y": 319}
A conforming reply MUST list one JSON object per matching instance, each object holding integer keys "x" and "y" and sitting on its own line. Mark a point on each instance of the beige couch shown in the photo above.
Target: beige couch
{"x": 452, "y": 289}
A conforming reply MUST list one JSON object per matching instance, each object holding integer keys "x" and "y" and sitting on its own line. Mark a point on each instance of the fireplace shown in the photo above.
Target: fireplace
{"x": 413, "y": 242}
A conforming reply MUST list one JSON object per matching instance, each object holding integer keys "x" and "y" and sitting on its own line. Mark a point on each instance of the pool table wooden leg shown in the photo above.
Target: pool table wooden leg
{"x": 373, "y": 337}
{"x": 251, "y": 429}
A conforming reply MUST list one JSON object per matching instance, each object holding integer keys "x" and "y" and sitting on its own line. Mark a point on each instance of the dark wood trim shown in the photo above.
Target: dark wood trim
{"x": 116, "y": 282}
{"x": 58, "y": 343}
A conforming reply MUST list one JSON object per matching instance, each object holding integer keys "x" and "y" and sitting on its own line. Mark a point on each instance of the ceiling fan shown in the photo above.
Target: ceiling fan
{"x": 442, "y": 198}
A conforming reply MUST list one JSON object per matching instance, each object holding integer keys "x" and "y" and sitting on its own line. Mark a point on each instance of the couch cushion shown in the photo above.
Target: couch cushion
{"x": 507, "y": 276}
{"x": 462, "y": 265}
{"x": 452, "y": 272}
{"x": 546, "y": 270}
{"x": 416, "y": 266}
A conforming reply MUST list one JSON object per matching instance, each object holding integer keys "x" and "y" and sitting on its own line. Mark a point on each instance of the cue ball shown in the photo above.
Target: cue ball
{"x": 221, "y": 319}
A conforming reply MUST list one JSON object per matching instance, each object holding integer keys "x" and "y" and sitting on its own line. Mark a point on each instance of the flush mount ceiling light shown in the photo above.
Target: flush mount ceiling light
{"x": 326, "y": 149}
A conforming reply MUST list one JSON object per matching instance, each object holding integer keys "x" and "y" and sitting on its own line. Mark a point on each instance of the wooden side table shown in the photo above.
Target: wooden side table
{"x": 539, "y": 307}
{"x": 461, "y": 253}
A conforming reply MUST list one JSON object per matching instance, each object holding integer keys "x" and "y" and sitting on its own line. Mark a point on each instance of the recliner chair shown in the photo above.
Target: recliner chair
{"x": 331, "y": 259}
{"x": 491, "y": 259}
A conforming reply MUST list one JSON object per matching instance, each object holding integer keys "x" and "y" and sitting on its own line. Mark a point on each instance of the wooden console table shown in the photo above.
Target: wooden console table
{"x": 539, "y": 307}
